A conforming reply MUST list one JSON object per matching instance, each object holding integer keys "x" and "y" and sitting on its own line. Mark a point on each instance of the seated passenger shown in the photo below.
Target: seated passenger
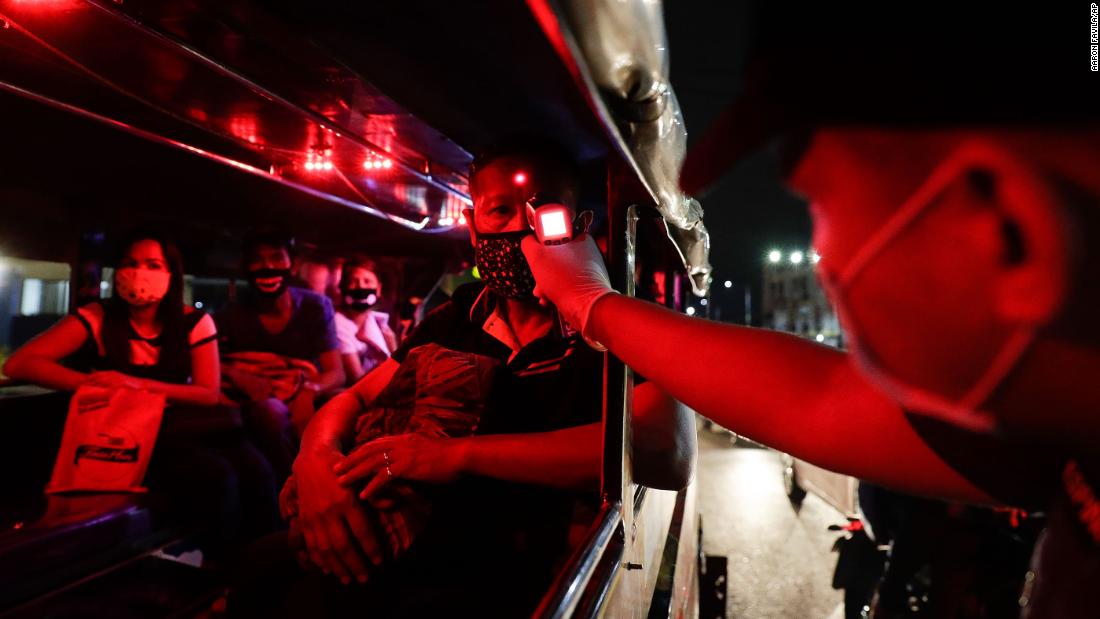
{"x": 280, "y": 350}
{"x": 317, "y": 274}
{"x": 144, "y": 338}
{"x": 503, "y": 500}
{"x": 364, "y": 334}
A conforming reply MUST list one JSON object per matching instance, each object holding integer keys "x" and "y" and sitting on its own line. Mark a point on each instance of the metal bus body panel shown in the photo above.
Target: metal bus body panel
{"x": 836, "y": 489}
{"x": 645, "y": 543}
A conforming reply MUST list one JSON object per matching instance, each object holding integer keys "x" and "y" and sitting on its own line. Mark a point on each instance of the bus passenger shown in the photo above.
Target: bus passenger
{"x": 144, "y": 338}
{"x": 281, "y": 349}
{"x": 314, "y": 272}
{"x": 505, "y": 499}
{"x": 364, "y": 333}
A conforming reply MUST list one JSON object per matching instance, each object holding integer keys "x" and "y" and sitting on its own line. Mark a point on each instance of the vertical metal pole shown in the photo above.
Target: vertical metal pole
{"x": 618, "y": 383}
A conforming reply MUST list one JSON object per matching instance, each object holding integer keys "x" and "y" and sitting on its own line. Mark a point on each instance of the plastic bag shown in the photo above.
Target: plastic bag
{"x": 108, "y": 440}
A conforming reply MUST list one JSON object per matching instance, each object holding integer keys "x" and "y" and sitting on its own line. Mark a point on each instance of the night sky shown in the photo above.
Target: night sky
{"x": 748, "y": 211}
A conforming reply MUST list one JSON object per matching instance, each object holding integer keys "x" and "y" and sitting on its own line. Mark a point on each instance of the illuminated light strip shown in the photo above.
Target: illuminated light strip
{"x": 321, "y": 120}
{"x": 159, "y": 139}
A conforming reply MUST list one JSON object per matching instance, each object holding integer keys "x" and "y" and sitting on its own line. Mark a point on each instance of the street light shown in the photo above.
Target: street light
{"x": 691, "y": 311}
{"x": 814, "y": 256}
{"x": 775, "y": 256}
{"x": 796, "y": 257}
{"x": 728, "y": 284}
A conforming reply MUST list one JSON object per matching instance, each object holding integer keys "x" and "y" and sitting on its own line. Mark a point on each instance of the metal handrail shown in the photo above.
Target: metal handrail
{"x": 569, "y": 587}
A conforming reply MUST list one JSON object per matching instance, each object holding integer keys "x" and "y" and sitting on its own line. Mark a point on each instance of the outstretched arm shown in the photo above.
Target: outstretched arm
{"x": 567, "y": 458}
{"x": 786, "y": 392}
{"x": 664, "y": 453}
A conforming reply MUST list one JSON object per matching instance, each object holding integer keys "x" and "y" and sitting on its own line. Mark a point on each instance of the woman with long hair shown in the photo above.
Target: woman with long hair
{"x": 144, "y": 338}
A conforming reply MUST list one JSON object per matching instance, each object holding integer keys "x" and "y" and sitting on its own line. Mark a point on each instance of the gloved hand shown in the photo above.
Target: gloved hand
{"x": 572, "y": 276}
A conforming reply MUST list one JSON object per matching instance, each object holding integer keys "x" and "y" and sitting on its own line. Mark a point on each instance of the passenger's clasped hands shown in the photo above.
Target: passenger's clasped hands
{"x": 337, "y": 535}
{"x": 410, "y": 457}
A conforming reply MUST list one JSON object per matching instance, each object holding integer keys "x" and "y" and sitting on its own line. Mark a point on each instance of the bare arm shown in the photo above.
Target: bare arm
{"x": 353, "y": 370}
{"x": 38, "y": 361}
{"x": 783, "y": 391}
{"x": 568, "y": 458}
{"x": 331, "y": 427}
{"x": 332, "y": 372}
{"x": 204, "y": 389}
{"x": 663, "y": 440}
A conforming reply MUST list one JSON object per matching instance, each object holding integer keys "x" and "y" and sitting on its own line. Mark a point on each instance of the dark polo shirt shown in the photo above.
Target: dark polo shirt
{"x": 500, "y": 532}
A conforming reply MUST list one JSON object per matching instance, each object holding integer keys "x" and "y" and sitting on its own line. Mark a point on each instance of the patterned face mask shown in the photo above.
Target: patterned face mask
{"x": 141, "y": 286}
{"x": 503, "y": 266}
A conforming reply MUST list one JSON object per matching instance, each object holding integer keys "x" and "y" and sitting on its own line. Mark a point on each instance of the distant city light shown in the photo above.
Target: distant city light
{"x": 198, "y": 304}
{"x": 728, "y": 284}
{"x": 703, "y": 301}
{"x": 796, "y": 257}
{"x": 819, "y": 337}
{"x": 691, "y": 311}
{"x": 775, "y": 256}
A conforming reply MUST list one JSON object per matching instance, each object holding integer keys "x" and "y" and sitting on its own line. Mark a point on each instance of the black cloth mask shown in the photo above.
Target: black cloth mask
{"x": 360, "y": 299}
{"x": 502, "y": 265}
{"x": 267, "y": 274}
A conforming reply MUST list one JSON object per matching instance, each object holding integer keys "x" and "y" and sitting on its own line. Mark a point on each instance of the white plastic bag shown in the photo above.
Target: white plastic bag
{"x": 108, "y": 440}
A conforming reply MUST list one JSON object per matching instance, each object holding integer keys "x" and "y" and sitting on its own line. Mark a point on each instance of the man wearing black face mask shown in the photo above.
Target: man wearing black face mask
{"x": 503, "y": 499}
{"x": 364, "y": 333}
{"x": 293, "y": 323}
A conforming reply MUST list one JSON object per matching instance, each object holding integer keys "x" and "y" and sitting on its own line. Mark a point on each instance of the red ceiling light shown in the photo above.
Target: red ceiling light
{"x": 519, "y": 179}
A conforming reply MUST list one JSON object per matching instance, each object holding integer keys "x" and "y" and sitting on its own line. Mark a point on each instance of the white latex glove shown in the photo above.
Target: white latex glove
{"x": 571, "y": 276}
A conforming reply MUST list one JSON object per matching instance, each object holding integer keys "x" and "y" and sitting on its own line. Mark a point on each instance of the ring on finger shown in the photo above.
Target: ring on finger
{"x": 386, "y": 457}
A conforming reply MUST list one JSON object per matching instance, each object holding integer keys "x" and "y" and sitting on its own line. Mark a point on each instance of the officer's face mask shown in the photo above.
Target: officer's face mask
{"x": 269, "y": 283}
{"x": 967, "y": 409}
{"x": 502, "y": 265}
{"x": 141, "y": 286}
{"x": 360, "y": 299}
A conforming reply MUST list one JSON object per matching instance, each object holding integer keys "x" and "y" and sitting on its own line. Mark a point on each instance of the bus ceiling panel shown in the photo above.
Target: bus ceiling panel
{"x": 482, "y": 71}
{"x": 188, "y": 72}
{"x": 73, "y": 176}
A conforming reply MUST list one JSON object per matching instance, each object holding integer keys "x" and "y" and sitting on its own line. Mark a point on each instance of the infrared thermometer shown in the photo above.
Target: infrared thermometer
{"x": 550, "y": 220}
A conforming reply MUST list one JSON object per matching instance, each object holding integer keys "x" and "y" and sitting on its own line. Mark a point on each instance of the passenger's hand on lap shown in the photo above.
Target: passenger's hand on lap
{"x": 114, "y": 380}
{"x": 257, "y": 388}
{"x": 338, "y": 537}
{"x": 406, "y": 456}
